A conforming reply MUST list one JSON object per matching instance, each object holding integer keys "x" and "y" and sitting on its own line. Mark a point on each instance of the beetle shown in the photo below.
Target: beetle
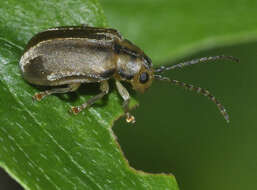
{"x": 72, "y": 55}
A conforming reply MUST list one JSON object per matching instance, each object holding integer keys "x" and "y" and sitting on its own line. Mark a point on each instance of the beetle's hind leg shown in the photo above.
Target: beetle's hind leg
{"x": 70, "y": 88}
{"x": 125, "y": 95}
{"x": 104, "y": 87}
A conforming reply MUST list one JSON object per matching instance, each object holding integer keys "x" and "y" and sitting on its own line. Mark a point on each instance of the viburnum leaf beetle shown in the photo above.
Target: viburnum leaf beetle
{"x": 73, "y": 55}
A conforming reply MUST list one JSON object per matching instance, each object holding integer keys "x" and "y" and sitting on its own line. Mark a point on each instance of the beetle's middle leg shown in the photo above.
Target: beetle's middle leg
{"x": 70, "y": 88}
{"x": 104, "y": 87}
{"x": 125, "y": 95}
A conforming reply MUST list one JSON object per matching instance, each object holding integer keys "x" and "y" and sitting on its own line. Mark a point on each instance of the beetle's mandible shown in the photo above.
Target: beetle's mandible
{"x": 73, "y": 55}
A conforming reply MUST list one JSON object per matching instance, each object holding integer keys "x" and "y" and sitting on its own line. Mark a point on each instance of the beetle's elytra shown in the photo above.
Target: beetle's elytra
{"x": 74, "y": 55}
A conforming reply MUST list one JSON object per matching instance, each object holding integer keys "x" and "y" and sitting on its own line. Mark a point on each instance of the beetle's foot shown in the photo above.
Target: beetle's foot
{"x": 130, "y": 118}
{"x": 39, "y": 96}
{"x": 75, "y": 109}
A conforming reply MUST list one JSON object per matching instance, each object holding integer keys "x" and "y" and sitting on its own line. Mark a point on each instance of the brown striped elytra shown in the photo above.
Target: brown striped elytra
{"x": 72, "y": 55}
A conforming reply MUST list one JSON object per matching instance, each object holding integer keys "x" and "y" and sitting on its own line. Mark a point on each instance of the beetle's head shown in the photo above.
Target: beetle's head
{"x": 143, "y": 79}
{"x": 137, "y": 71}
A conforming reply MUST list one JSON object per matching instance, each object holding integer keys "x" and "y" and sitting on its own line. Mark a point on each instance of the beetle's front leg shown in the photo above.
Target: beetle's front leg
{"x": 125, "y": 95}
{"x": 104, "y": 87}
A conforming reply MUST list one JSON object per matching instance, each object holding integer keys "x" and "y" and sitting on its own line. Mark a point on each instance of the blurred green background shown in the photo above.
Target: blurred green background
{"x": 181, "y": 132}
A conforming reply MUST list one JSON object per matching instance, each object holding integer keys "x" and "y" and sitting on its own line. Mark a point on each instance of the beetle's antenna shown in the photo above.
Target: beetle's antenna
{"x": 195, "y": 61}
{"x": 198, "y": 90}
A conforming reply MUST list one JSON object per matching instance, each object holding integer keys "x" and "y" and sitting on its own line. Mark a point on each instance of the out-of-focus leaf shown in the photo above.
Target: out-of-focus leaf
{"x": 169, "y": 29}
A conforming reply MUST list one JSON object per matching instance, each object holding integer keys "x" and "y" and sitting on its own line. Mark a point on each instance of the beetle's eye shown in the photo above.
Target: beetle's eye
{"x": 143, "y": 78}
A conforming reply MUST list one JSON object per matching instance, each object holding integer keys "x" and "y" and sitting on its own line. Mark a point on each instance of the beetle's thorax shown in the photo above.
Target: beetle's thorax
{"x": 127, "y": 66}
{"x": 130, "y": 59}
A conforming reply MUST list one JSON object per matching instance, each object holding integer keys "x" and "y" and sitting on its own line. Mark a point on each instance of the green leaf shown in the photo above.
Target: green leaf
{"x": 171, "y": 29}
{"x": 42, "y": 146}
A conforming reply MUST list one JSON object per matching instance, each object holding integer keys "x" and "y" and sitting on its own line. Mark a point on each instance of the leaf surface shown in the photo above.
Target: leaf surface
{"x": 42, "y": 146}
